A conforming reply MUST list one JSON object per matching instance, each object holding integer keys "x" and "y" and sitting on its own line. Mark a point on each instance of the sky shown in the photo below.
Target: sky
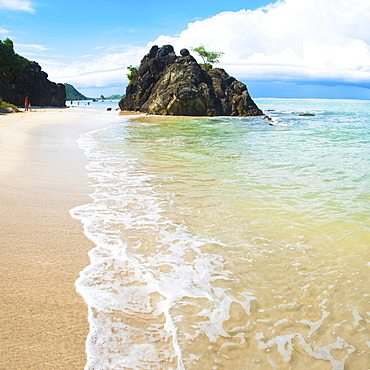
{"x": 283, "y": 48}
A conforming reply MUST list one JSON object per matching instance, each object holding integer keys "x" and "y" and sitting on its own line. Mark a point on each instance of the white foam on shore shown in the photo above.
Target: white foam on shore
{"x": 163, "y": 297}
{"x": 122, "y": 280}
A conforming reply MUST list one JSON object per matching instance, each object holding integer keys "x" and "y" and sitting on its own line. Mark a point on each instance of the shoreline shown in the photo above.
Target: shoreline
{"x": 44, "y": 321}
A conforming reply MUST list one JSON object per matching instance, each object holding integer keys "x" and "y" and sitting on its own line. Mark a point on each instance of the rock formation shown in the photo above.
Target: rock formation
{"x": 32, "y": 82}
{"x": 167, "y": 84}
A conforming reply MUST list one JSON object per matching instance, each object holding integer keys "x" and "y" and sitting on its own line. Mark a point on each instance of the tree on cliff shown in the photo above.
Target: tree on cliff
{"x": 209, "y": 57}
{"x": 9, "y": 60}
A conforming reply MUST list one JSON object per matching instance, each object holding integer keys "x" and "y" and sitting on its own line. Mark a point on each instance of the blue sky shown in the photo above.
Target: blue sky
{"x": 284, "y": 48}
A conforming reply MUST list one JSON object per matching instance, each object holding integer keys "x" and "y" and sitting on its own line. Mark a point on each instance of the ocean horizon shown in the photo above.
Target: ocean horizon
{"x": 230, "y": 242}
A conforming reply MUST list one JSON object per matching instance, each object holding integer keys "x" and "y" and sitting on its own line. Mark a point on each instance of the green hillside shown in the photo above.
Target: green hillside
{"x": 115, "y": 96}
{"x": 73, "y": 94}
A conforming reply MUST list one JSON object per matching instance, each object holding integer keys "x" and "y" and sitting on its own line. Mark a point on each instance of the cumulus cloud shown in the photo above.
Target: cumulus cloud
{"x": 3, "y": 31}
{"x": 19, "y": 5}
{"x": 109, "y": 70}
{"x": 289, "y": 40}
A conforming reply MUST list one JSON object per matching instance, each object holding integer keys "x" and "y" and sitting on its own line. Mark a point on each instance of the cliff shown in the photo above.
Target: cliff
{"x": 32, "y": 82}
{"x": 20, "y": 78}
{"x": 167, "y": 84}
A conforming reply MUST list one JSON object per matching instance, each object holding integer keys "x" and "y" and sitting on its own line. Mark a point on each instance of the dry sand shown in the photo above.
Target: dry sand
{"x": 43, "y": 320}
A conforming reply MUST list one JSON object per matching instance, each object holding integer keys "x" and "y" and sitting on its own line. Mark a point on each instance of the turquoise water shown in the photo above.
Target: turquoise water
{"x": 230, "y": 242}
{"x": 90, "y": 105}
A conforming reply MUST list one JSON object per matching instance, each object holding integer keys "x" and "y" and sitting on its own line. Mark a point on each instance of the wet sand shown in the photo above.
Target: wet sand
{"x": 43, "y": 321}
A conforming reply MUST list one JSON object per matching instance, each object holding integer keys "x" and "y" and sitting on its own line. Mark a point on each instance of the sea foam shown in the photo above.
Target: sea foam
{"x": 216, "y": 248}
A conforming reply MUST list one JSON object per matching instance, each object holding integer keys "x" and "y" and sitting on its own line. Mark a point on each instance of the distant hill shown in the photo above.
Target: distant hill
{"x": 73, "y": 94}
{"x": 114, "y": 97}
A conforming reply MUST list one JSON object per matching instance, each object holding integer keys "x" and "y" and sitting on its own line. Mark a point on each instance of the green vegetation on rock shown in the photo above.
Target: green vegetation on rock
{"x": 21, "y": 78}
{"x": 4, "y": 104}
{"x": 132, "y": 75}
{"x": 73, "y": 94}
{"x": 209, "y": 57}
{"x": 9, "y": 60}
{"x": 167, "y": 84}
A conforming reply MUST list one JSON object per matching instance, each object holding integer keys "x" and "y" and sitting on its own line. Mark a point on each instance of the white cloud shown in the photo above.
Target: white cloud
{"x": 32, "y": 46}
{"x": 23, "y": 5}
{"x": 288, "y": 40}
{"x": 3, "y": 31}
{"x": 109, "y": 70}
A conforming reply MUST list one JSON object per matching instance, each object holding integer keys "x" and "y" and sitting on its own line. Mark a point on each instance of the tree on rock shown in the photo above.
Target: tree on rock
{"x": 132, "y": 75}
{"x": 209, "y": 57}
{"x": 167, "y": 84}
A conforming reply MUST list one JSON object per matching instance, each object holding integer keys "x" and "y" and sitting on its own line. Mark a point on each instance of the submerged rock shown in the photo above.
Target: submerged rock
{"x": 167, "y": 84}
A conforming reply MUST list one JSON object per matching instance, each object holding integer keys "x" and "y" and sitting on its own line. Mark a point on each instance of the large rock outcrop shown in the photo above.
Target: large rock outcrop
{"x": 167, "y": 84}
{"x": 32, "y": 82}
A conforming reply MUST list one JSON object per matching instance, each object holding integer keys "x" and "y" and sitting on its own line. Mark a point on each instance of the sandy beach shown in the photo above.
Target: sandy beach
{"x": 43, "y": 322}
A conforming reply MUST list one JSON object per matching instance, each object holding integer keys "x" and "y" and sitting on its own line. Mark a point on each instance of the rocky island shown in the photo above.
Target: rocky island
{"x": 167, "y": 84}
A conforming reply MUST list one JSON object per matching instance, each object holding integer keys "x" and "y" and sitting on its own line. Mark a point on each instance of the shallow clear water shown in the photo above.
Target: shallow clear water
{"x": 90, "y": 105}
{"x": 230, "y": 243}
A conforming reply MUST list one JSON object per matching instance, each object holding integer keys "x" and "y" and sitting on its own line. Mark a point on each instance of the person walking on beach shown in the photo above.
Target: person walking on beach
{"x": 26, "y": 103}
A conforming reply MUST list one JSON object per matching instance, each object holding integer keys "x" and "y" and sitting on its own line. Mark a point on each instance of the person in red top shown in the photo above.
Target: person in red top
{"x": 26, "y": 103}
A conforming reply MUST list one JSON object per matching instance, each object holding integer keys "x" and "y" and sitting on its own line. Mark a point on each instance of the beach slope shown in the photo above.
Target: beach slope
{"x": 43, "y": 322}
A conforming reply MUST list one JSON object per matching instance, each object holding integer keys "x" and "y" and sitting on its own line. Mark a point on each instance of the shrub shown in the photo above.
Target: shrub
{"x": 4, "y": 104}
{"x": 132, "y": 75}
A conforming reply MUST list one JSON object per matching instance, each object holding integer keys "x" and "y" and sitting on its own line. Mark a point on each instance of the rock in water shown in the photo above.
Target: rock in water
{"x": 167, "y": 84}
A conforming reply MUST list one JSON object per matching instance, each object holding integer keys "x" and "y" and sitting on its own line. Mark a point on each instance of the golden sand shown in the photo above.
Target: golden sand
{"x": 43, "y": 321}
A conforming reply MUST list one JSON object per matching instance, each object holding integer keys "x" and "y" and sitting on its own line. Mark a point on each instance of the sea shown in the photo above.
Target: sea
{"x": 229, "y": 242}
